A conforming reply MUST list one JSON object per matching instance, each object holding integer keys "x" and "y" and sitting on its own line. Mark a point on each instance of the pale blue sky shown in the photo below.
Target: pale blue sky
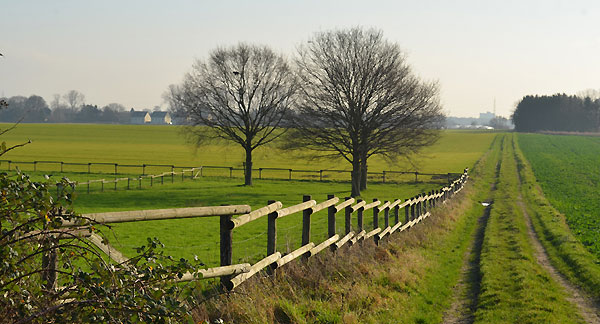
{"x": 130, "y": 51}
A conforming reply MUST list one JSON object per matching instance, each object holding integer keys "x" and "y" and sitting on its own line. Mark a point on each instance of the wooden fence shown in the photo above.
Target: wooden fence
{"x": 231, "y": 275}
{"x": 227, "y": 171}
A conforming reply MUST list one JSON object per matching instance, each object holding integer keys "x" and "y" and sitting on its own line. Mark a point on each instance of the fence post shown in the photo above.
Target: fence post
{"x": 172, "y": 176}
{"x": 348, "y": 217}
{"x": 331, "y": 218}
{"x": 88, "y": 186}
{"x": 386, "y": 216}
{"x": 151, "y": 180}
{"x": 144, "y": 169}
{"x": 226, "y": 245}
{"x": 359, "y": 217}
{"x": 127, "y": 183}
{"x": 271, "y": 231}
{"x": 162, "y": 179}
{"x": 375, "y": 222}
{"x": 306, "y": 221}
{"x": 290, "y": 177}
{"x": 407, "y": 212}
{"x": 49, "y": 264}
{"x": 182, "y": 175}
{"x": 61, "y": 166}
{"x": 116, "y": 168}
{"x": 259, "y": 173}
{"x": 115, "y": 183}
{"x": 383, "y": 176}
{"x": 320, "y": 175}
{"x": 396, "y": 214}
{"x": 102, "y": 182}
{"x": 412, "y": 209}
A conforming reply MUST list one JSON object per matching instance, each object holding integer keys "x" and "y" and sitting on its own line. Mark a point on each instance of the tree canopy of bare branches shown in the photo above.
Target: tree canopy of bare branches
{"x": 359, "y": 98}
{"x": 239, "y": 94}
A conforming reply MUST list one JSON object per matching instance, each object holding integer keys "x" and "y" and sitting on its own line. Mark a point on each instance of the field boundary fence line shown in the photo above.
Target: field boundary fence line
{"x": 416, "y": 209}
{"x": 231, "y": 172}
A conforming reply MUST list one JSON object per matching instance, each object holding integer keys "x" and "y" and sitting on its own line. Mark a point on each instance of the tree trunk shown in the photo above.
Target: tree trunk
{"x": 248, "y": 166}
{"x": 356, "y": 173}
{"x": 363, "y": 174}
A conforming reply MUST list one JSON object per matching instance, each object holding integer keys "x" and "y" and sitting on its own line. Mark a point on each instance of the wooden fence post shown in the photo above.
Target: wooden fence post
{"x": 116, "y": 166}
{"x": 320, "y": 175}
{"x": 416, "y": 176}
{"x": 151, "y": 180}
{"x": 231, "y": 172}
{"x": 396, "y": 215}
{"x": 271, "y": 231}
{"x": 88, "y": 186}
{"x": 143, "y": 169}
{"x": 359, "y": 217}
{"x": 49, "y": 264}
{"x": 386, "y": 216}
{"x": 375, "y": 221}
{"x": 162, "y": 179}
{"x": 128, "y": 183}
{"x": 61, "y": 166}
{"x": 407, "y": 212}
{"x": 383, "y": 176}
{"x": 331, "y": 218}
{"x": 348, "y": 217}
{"x": 259, "y": 173}
{"x": 102, "y": 182}
{"x": 306, "y": 221}
{"x": 226, "y": 245}
{"x": 412, "y": 209}
{"x": 290, "y": 177}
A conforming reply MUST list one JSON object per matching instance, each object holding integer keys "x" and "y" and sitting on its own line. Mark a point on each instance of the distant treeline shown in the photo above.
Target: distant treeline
{"x": 69, "y": 108}
{"x": 558, "y": 112}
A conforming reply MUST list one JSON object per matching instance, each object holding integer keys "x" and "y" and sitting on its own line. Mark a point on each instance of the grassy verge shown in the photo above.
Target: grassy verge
{"x": 514, "y": 287}
{"x": 409, "y": 279}
{"x": 566, "y": 252}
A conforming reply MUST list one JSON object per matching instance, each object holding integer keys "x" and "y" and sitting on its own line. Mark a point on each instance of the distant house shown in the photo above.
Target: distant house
{"x": 139, "y": 117}
{"x": 160, "y": 118}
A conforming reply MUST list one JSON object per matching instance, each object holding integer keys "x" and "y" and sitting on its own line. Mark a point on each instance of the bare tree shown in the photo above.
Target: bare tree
{"x": 74, "y": 99}
{"x": 240, "y": 94}
{"x": 359, "y": 98}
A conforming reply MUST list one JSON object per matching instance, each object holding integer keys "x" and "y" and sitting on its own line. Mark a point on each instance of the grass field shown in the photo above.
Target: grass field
{"x": 137, "y": 144}
{"x": 568, "y": 170}
{"x": 189, "y": 237}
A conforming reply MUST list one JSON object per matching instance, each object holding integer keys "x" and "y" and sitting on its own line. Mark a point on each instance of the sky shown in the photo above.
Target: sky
{"x": 129, "y": 52}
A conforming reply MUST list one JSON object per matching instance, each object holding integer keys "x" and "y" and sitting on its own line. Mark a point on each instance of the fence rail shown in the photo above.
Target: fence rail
{"x": 231, "y": 275}
{"x": 230, "y": 171}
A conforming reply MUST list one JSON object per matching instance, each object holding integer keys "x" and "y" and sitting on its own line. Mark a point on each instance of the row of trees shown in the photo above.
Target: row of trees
{"x": 559, "y": 112}
{"x": 68, "y": 108}
{"x": 348, "y": 93}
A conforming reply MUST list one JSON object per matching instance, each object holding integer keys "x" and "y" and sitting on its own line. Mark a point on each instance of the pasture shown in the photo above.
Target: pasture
{"x": 126, "y": 144}
{"x": 568, "y": 170}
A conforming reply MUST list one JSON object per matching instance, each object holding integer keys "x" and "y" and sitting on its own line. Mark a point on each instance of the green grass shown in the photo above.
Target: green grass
{"x": 137, "y": 144}
{"x": 565, "y": 251}
{"x": 568, "y": 170}
{"x": 514, "y": 287}
{"x": 165, "y": 145}
{"x": 200, "y": 236}
{"x": 409, "y": 279}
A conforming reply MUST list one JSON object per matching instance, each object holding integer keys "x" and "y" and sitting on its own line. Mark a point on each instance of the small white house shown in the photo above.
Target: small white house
{"x": 139, "y": 117}
{"x": 160, "y": 118}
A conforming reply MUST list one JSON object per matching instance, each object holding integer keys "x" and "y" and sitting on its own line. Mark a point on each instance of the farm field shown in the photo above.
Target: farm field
{"x": 137, "y": 144}
{"x": 568, "y": 171}
{"x": 189, "y": 237}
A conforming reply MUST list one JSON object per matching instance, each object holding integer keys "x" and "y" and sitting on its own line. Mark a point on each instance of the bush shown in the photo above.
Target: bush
{"x": 52, "y": 274}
